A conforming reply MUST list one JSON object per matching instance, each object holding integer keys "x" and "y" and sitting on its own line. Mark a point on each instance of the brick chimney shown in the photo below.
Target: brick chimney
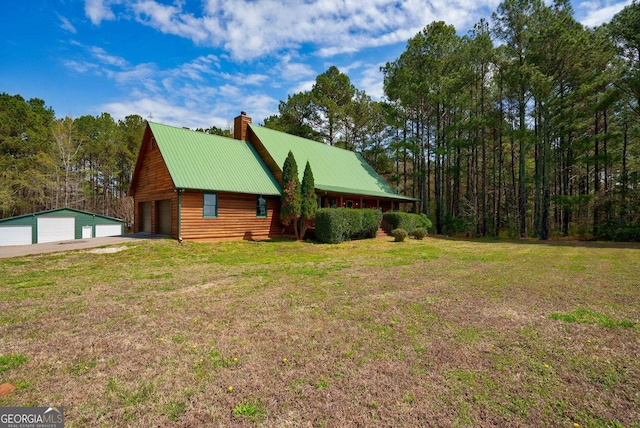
{"x": 241, "y": 126}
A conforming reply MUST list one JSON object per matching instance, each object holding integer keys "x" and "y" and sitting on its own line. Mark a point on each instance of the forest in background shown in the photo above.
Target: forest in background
{"x": 528, "y": 126}
{"x": 84, "y": 163}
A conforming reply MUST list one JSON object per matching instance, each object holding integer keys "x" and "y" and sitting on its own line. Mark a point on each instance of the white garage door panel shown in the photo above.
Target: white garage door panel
{"x": 108, "y": 230}
{"x": 52, "y": 229}
{"x": 15, "y": 235}
{"x": 87, "y": 232}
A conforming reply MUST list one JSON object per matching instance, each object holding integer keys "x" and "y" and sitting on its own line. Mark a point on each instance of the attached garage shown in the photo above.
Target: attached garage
{"x": 163, "y": 221}
{"x": 145, "y": 214}
{"x": 63, "y": 224}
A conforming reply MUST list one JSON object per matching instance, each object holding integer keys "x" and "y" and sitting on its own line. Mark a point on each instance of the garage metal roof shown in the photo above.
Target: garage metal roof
{"x": 58, "y": 212}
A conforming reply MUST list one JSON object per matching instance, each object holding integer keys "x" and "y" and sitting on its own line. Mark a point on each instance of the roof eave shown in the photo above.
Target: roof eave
{"x": 364, "y": 193}
{"x": 193, "y": 189}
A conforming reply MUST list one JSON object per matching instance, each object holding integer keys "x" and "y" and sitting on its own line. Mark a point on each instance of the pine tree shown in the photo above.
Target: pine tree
{"x": 290, "y": 200}
{"x": 309, "y": 203}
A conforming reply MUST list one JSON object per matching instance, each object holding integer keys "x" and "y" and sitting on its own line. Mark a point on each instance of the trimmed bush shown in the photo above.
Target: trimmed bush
{"x": 407, "y": 221}
{"x": 397, "y": 219}
{"x": 354, "y": 223}
{"x": 371, "y": 220}
{"x": 331, "y": 225}
{"x": 334, "y": 225}
{"x": 399, "y": 234}
{"x": 419, "y": 233}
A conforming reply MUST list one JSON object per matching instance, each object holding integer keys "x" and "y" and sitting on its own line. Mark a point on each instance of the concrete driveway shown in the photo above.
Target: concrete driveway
{"x": 76, "y": 244}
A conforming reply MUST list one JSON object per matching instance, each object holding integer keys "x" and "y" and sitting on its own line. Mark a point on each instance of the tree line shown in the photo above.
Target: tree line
{"x": 526, "y": 126}
{"x": 84, "y": 163}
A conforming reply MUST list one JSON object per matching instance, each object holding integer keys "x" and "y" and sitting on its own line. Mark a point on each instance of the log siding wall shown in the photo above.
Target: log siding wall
{"x": 236, "y": 218}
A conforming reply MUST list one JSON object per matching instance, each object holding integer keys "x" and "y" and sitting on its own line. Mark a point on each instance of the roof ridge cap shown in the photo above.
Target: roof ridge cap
{"x": 306, "y": 139}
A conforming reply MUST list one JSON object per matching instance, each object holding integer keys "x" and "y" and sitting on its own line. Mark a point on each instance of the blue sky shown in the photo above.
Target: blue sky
{"x": 198, "y": 63}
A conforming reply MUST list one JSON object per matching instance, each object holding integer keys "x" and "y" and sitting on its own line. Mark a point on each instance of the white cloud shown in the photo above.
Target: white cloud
{"x": 164, "y": 111}
{"x": 139, "y": 73}
{"x": 99, "y": 10}
{"x": 80, "y": 66}
{"x": 229, "y": 91}
{"x": 200, "y": 67}
{"x": 372, "y": 81}
{"x": 242, "y": 79}
{"x": 292, "y": 71}
{"x": 346, "y": 69}
{"x": 107, "y": 59}
{"x": 172, "y": 111}
{"x": 67, "y": 25}
{"x": 303, "y": 86}
{"x": 598, "y": 12}
{"x": 258, "y": 106}
{"x": 250, "y": 29}
{"x": 170, "y": 20}
{"x": 193, "y": 94}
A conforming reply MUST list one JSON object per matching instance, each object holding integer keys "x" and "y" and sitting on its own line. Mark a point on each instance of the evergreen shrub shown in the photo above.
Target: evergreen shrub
{"x": 334, "y": 225}
{"x": 371, "y": 219}
{"x": 419, "y": 233}
{"x": 354, "y": 223}
{"x": 399, "y": 234}
{"x": 407, "y": 221}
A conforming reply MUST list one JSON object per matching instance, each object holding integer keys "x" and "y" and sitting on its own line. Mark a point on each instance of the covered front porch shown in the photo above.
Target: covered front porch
{"x": 342, "y": 200}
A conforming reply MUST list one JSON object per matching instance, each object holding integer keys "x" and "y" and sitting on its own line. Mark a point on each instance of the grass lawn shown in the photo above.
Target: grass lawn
{"x": 436, "y": 332}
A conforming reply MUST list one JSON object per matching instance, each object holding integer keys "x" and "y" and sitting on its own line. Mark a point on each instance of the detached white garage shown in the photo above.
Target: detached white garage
{"x": 63, "y": 224}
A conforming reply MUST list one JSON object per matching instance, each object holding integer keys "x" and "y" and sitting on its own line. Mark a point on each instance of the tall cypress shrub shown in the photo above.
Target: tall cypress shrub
{"x": 290, "y": 202}
{"x": 309, "y": 203}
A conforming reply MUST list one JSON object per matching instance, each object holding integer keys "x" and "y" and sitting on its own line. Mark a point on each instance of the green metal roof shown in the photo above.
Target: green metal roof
{"x": 59, "y": 212}
{"x": 200, "y": 161}
{"x": 334, "y": 169}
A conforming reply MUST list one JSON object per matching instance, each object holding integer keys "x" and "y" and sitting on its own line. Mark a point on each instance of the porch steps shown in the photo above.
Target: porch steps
{"x": 383, "y": 233}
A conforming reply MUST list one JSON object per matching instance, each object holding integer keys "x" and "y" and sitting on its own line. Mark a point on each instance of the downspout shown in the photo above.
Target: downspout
{"x": 180, "y": 191}
{"x": 34, "y": 233}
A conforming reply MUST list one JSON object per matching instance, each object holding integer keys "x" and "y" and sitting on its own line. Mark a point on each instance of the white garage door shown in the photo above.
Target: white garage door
{"x": 15, "y": 235}
{"x": 108, "y": 230}
{"x": 52, "y": 229}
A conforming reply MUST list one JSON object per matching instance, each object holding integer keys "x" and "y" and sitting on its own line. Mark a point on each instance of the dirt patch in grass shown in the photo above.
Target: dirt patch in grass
{"x": 6, "y": 389}
{"x": 367, "y": 333}
{"x": 108, "y": 250}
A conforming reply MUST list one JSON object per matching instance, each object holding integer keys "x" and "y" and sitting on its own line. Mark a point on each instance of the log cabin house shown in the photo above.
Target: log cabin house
{"x": 201, "y": 187}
